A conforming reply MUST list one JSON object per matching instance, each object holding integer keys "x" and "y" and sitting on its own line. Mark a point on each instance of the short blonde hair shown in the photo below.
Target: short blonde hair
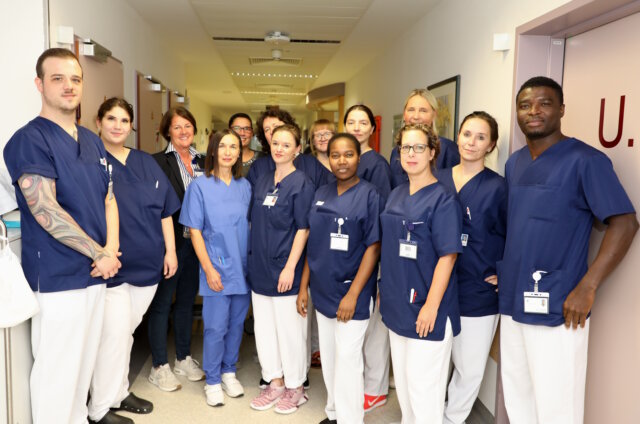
{"x": 430, "y": 98}
{"x": 319, "y": 123}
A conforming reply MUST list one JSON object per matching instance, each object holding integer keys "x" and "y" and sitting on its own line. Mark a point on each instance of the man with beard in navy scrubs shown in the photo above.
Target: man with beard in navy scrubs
{"x": 557, "y": 185}
{"x": 69, "y": 220}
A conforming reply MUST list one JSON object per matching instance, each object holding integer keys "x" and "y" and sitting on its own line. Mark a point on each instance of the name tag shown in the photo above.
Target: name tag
{"x": 339, "y": 242}
{"x": 464, "y": 238}
{"x": 536, "y": 302}
{"x": 270, "y": 200}
{"x": 408, "y": 249}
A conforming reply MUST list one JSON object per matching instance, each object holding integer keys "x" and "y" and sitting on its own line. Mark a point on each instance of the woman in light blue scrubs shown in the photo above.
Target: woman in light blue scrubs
{"x": 421, "y": 226}
{"x": 342, "y": 268}
{"x": 279, "y": 231}
{"x": 215, "y": 209}
{"x": 483, "y": 198}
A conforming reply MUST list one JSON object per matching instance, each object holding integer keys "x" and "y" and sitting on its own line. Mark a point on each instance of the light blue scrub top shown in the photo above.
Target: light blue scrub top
{"x": 220, "y": 213}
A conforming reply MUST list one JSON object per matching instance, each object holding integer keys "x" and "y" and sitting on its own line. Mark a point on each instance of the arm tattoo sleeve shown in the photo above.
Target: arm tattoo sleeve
{"x": 40, "y": 194}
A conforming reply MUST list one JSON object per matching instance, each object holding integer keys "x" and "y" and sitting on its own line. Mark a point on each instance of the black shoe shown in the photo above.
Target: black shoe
{"x": 263, "y": 384}
{"x": 305, "y": 385}
{"x": 113, "y": 418}
{"x": 133, "y": 403}
{"x": 328, "y": 421}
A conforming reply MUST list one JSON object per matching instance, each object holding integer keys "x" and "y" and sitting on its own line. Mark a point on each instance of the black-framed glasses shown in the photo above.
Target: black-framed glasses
{"x": 417, "y": 148}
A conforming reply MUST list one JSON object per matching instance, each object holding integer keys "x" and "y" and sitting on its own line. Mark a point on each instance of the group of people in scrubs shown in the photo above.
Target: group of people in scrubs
{"x": 415, "y": 259}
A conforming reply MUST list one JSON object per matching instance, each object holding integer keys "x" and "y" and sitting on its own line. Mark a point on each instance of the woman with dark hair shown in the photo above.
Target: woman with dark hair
{"x": 215, "y": 210}
{"x": 279, "y": 231}
{"x": 242, "y": 125}
{"x": 421, "y": 108}
{"x": 483, "y": 199}
{"x": 181, "y": 163}
{"x": 269, "y": 120}
{"x": 341, "y": 269}
{"x": 146, "y": 201}
{"x": 421, "y": 226}
{"x": 360, "y": 122}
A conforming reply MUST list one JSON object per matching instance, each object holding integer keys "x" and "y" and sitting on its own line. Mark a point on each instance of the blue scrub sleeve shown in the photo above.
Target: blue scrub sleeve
{"x": 446, "y": 227}
{"x": 302, "y": 205}
{"x": 451, "y": 155}
{"x": 501, "y": 222}
{"x": 29, "y": 154}
{"x": 602, "y": 189}
{"x": 375, "y": 205}
{"x": 192, "y": 213}
{"x": 171, "y": 200}
{"x": 381, "y": 178}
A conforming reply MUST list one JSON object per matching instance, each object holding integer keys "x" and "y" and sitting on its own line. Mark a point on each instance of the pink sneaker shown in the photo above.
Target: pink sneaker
{"x": 290, "y": 401}
{"x": 268, "y": 397}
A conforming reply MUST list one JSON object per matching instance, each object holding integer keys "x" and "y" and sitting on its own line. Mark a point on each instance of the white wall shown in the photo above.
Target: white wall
{"x": 118, "y": 27}
{"x": 455, "y": 38}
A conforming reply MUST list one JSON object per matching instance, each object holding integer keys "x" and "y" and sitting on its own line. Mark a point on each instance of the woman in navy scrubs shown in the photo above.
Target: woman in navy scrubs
{"x": 279, "y": 231}
{"x": 483, "y": 196}
{"x": 360, "y": 122}
{"x": 267, "y": 123}
{"x": 341, "y": 266}
{"x": 215, "y": 210}
{"x": 146, "y": 201}
{"x": 420, "y": 108}
{"x": 421, "y": 227}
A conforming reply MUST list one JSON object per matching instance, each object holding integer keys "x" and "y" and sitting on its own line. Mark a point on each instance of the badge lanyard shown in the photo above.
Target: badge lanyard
{"x": 409, "y": 248}
{"x": 339, "y": 241}
{"x": 536, "y": 302}
{"x": 271, "y": 198}
{"x": 464, "y": 238}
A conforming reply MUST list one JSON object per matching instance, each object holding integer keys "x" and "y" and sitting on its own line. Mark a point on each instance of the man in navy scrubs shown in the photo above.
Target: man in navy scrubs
{"x": 69, "y": 220}
{"x": 557, "y": 185}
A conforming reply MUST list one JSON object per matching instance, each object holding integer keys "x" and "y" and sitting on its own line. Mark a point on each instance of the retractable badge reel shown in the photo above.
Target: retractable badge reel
{"x": 408, "y": 247}
{"x": 339, "y": 241}
{"x": 536, "y": 302}
{"x": 271, "y": 198}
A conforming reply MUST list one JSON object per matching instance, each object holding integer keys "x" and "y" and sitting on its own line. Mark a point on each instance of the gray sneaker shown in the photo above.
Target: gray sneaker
{"x": 189, "y": 368}
{"x": 164, "y": 378}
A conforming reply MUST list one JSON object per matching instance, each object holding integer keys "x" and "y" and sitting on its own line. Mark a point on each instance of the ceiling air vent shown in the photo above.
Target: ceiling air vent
{"x": 269, "y": 61}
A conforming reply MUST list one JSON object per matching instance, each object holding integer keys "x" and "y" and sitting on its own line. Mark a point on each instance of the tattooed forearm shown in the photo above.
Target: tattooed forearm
{"x": 40, "y": 194}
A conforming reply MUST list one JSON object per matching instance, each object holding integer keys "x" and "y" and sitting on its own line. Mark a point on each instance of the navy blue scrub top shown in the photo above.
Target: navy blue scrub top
{"x": 484, "y": 217}
{"x": 332, "y": 271}
{"x": 144, "y": 197}
{"x": 308, "y": 164}
{"x": 435, "y": 215}
{"x": 79, "y": 169}
{"x": 274, "y": 228}
{"x": 220, "y": 213}
{"x": 375, "y": 169}
{"x": 447, "y": 158}
{"x": 552, "y": 203}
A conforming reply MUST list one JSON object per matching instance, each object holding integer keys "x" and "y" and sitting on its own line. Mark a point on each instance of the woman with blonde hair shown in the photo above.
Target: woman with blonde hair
{"x": 319, "y": 134}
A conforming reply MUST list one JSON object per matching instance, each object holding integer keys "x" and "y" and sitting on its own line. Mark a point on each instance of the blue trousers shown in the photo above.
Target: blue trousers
{"x": 223, "y": 318}
{"x": 184, "y": 284}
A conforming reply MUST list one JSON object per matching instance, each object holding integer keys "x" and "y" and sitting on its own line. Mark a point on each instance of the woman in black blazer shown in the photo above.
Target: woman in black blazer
{"x": 181, "y": 163}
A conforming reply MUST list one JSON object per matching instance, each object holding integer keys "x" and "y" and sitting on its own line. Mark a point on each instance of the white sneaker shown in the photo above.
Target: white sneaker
{"x": 164, "y": 378}
{"x": 231, "y": 385}
{"x": 189, "y": 368}
{"x": 214, "y": 394}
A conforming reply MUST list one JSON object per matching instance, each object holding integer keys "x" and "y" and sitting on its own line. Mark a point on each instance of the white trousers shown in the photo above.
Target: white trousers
{"x": 544, "y": 371}
{"x": 281, "y": 339}
{"x": 124, "y": 308}
{"x": 420, "y": 369}
{"x": 469, "y": 354}
{"x": 376, "y": 356}
{"x": 64, "y": 341}
{"x": 342, "y": 368}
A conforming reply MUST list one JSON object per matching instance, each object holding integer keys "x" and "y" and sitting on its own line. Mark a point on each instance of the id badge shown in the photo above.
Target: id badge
{"x": 270, "y": 200}
{"x": 408, "y": 249}
{"x": 464, "y": 238}
{"x": 339, "y": 242}
{"x": 536, "y": 303}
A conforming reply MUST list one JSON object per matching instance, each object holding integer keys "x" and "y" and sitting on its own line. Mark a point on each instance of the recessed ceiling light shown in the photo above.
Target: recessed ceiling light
{"x": 271, "y": 75}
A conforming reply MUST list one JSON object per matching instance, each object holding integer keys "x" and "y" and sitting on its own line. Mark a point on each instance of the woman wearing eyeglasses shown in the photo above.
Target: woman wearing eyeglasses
{"x": 421, "y": 108}
{"x": 421, "y": 227}
{"x": 319, "y": 134}
{"x": 482, "y": 194}
{"x": 242, "y": 125}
